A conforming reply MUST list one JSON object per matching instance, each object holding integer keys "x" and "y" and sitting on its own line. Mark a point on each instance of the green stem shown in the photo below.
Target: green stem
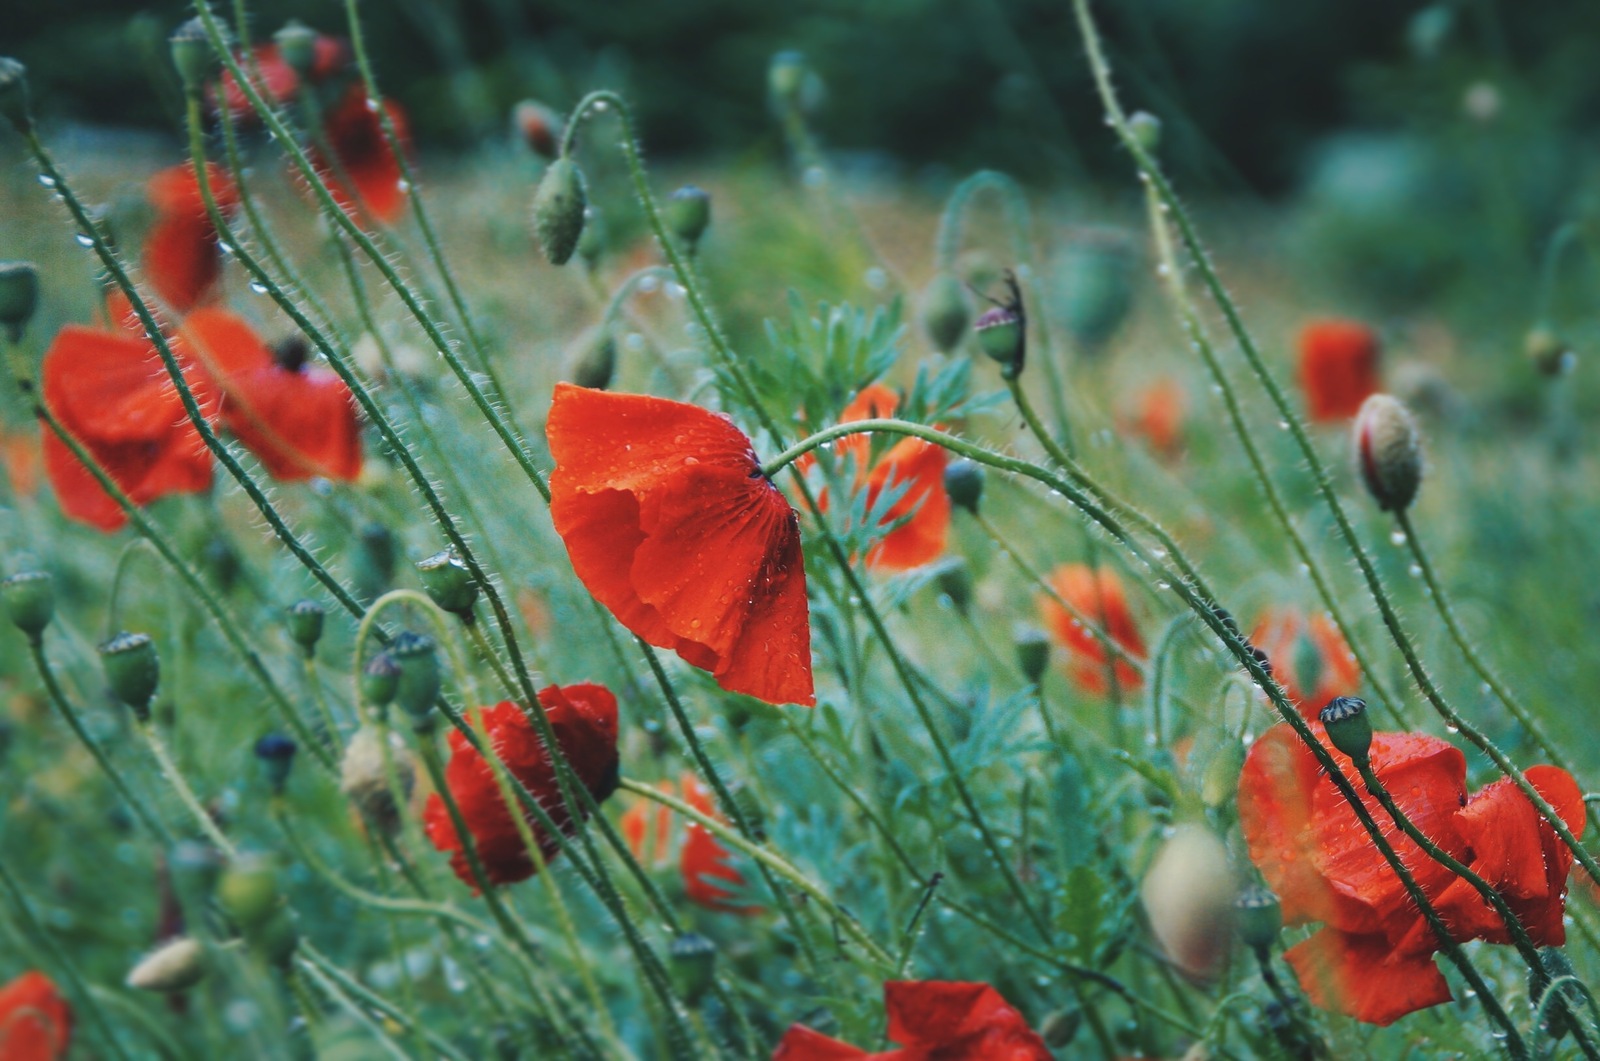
{"x": 338, "y": 982}
{"x": 180, "y": 785}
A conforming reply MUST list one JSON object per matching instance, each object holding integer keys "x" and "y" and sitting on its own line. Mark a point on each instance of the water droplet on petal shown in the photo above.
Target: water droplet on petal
{"x": 84, "y": 239}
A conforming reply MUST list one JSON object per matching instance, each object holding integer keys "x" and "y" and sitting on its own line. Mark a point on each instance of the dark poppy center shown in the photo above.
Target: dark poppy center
{"x": 291, "y": 354}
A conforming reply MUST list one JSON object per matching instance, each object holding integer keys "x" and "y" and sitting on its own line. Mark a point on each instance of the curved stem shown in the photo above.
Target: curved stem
{"x": 180, "y": 785}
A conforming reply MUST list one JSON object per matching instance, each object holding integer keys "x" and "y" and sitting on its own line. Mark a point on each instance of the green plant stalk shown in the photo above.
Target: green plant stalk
{"x": 180, "y": 785}
{"x": 337, "y": 981}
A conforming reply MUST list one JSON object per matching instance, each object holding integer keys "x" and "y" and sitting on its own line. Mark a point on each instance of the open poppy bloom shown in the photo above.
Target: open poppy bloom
{"x": 181, "y": 257}
{"x": 702, "y": 858}
{"x": 1158, "y": 415}
{"x": 647, "y": 827}
{"x": 363, "y": 176}
{"x": 1098, "y": 596}
{"x": 671, "y": 524}
{"x": 1338, "y": 368}
{"x": 932, "y": 1020}
{"x": 111, "y": 392}
{"x": 273, "y": 78}
{"x": 585, "y": 721}
{"x": 1309, "y": 657}
{"x": 1373, "y": 957}
{"x": 35, "y": 1021}
{"x": 19, "y": 453}
{"x": 924, "y": 506}
{"x": 299, "y": 420}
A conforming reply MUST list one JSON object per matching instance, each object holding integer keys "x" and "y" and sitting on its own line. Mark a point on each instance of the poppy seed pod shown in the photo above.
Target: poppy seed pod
{"x": 955, "y": 582}
{"x": 1146, "y": 130}
{"x": 1000, "y": 336}
{"x": 30, "y": 600}
{"x": 176, "y": 965}
{"x": 558, "y": 208}
{"x": 1259, "y": 918}
{"x": 276, "y": 753}
{"x": 192, "y": 54}
{"x": 305, "y": 624}
{"x": 449, "y": 583}
{"x": 297, "y": 44}
{"x": 364, "y": 777}
{"x": 945, "y": 312}
{"x": 963, "y": 482}
{"x": 380, "y": 680}
{"x": 688, "y": 212}
{"x": 1033, "y": 652}
{"x": 1389, "y": 448}
{"x": 14, "y": 94}
{"x": 132, "y": 670}
{"x": 419, "y": 681}
{"x": 247, "y": 892}
{"x": 1349, "y": 728}
{"x": 692, "y": 960}
{"x": 1188, "y": 895}
{"x": 19, "y": 295}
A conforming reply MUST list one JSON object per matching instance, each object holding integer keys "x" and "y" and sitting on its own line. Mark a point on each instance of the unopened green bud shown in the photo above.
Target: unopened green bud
{"x": 945, "y": 313}
{"x": 558, "y": 208}
{"x": 30, "y": 599}
{"x": 592, "y": 244}
{"x": 1349, "y": 728}
{"x": 1146, "y": 130}
{"x": 380, "y": 680}
{"x": 1258, "y": 918}
{"x": 1389, "y": 451}
{"x": 755, "y": 818}
{"x": 955, "y": 582}
{"x": 692, "y": 959}
{"x": 19, "y": 295}
{"x": 595, "y": 366}
{"x": 222, "y": 562}
{"x": 248, "y": 892}
{"x": 449, "y": 583}
{"x": 419, "y": 676}
{"x": 1549, "y": 353}
{"x": 1307, "y": 663}
{"x": 14, "y": 94}
{"x": 688, "y": 212}
{"x": 297, "y": 43}
{"x": 176, "y": 965}
{"x": 1033, "y": 652}
{"x": 786, "y": 78}
{"x": 963, "y": 481}
{"x": 132, "y": 670}
{"x": 305, "y": 624}
{"x": 1000, "y": 335}
{"x": 192, "y": 54}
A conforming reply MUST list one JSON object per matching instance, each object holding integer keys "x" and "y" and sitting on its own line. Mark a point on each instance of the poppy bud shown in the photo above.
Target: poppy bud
{"x": 1548, "y": 352}
{"x": 30, "y": 599}
{"x": 176, "y": 965}
{"x": 222, "y": 563}
{"x": 592, "y": 243}
{"x": 14, "y": 94}
{"x": 1259, "y": 918}
{"x": 786, "y": 79}
{"x": 364, "y": 777}
{"x": 1555, "y": 965}
{"x": 19, "y": 294}
{"x": 558, "y": 210}
{"x": 380, "y": 680}
{"x": 305, "y": 624}
{"x": 1307, "y": 663}
{"x": 1349, "y": 728}
{"x": 1390, "y": 451}
{"x": 688, "y": 213}
{"x": 755, "y": 819}
{"x": 1146, "y": 130}
{"x": 1060, "y": 1027}
{"x": 248, "y": 892}
{"x": 536, "y": 126}
{"x": 963, "y": 481}
{"x": 192, "y": 54}
{"x": 297, "y": 43}
{"x": 692, "y": 960}
{"x": 595, "y": 366}
{"x": 955, "y": 582}
{"x": 1095, "y": 282}
{"x": 132, "y": 670}
{"x": 1033, "y": 652}
{"x": 375, "y": 561}
{"x": 945, "y": 312}
{"x": 419, "y": 681}
{"x": 449, "y": 583}
{"x": 276, "y": 753}
{"x": 1000, "y": 336}
{"x": 1188, "y": 895}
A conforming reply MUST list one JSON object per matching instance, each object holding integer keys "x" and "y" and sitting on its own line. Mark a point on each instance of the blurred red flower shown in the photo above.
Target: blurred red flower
{"x": 300, "y": 421}
{"x": 1373, "y": 958}
{"x": 585, "y": 722}
{"x": 1338, "y": 368}
{"x": 1098, "y": 596}
{"x": 671, "y": 524}
{"x": 274, "y": 78}
{"x": 1158, "y": 415}
{"x": 932, "y": 1020}
{"x": 35, "y": 1021}
{"x": 363, "y": 176}
{"x": 19, "y": 452}
{"x": 1307, "y": 656}
{"x": 704, "y": 860}
{"x": 647, "y": 827}
{"x": 181, "y": 257}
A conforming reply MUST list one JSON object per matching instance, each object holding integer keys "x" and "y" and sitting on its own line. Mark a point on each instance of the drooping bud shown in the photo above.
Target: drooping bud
{"x": 1554, "y": 966}
{"x": 955, "y": 582}
{"x": 688, "y": 212}
{"x": 419, "y": 676}
{"x": 1146, "y": 130}
{"x": 537, "y": 127}
{"x": 19, "y": 295}
{"x": 176, "y": 965}
{"x": 1349, "y": 728}
{"x": 596, "y": 364}
{"x": 30, "y": 599}
{"x": 276, "y": 753}
{"x": 192, "y": 54}
{"x": 558, "y": 208}
{"x": 305, "y": 624}
{"x": 1188, "y": 896}
{"x": 1000, "y": 335}
{"x": 1261, "y": 657}
{"x": 380, "y": 680}
{"x": 364, "y": 777}
{"x": 1549, "y": 353}
{"x": 1389, "y": 448}
{"x": 692, "y": 961}
{"x": 449, "y": 583}
{"x": 963, "y": 482}
{"x": 945, "y": 312}
{"x": 14, "y": 94}
{"x": 1259, "y": 918}
{"x": 132, "y": 670}
{"x": 1033, "y": 651}
{"x": 297, "y": 43}
{"x": 247, "y": 891}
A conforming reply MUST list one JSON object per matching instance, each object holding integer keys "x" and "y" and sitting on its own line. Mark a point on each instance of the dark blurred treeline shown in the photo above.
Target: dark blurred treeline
{"x": 1245, "y": 86}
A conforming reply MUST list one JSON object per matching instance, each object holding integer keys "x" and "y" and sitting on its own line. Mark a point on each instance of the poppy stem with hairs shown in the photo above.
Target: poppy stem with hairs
{"x": 180, "y": 784}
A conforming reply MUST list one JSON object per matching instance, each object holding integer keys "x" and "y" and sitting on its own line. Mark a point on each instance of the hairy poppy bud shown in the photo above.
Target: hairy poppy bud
{"x": 276, "y": 753}
{"x": 945, "y": 312}
{"x": 955, "y": 582}
{"x": 30, "y": 599}
{"x": 1548, "y": 352}
{"x": 305, "y": 624}
{"x": 176, "y": 965}
{"x": 192, "y": 54}
{"x": 537, "y": 127}
{"x": 597, "y": 363}
{"x": 1188, "y": 896}
{"x": 14, "y": 94}
{"x": 380, "y": 680}
{"x": 1554, "y": 964}
{"x": 1389, "y": 448}
{"x": 132, "y": 670}
{"x": 247, "y": 891}
{"x": 364, "y": 777}
{"x": 1258, "y": 917}
{"x": 1146, "y": 130}
{"x": 449, "y": 583}
{"x": 297, "y": 43}
{"x": 419, "y": 681}
{"x": 558, "y": 210}
{"x": 688, "y": 213}
{"x": 963, "y": 482}
{"x": 1261, "y": 657}
{"x": 19, "y": 294}
{"x": 692, "y": 959}
{"x": 1033, "y": 652}
{"x": 1000, "y": 336}
{"x": 1349, "y": 728}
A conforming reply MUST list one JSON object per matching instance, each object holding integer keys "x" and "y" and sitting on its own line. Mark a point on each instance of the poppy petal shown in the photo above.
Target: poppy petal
{"x": 800, "y": 1043}
{"x": 1365, "y": 977}
{"x": 35, "y": 1021}
{"x": 364, "y": 175}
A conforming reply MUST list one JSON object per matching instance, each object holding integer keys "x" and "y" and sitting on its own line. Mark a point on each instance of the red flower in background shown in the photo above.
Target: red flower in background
{"x": 932, "y": 1020}
{"x": 671, "y": 524}
{"x": 704, "y": 861}
{"x": 1158, "y": 416}
{"x": 1307, "y": 656}
{"x": 35, "y": 1021}
{"x": 585, "y": 722}
{"x": 1338, "y": 368}
{"x": 20, "y": 454}
{"x": 111, "y": 392}
{"x": 1097, "y": 594}
{"x": 363, "y": 176}
{"x": 181, "y": 257}
{"x": 647, "y": 827}
{"x": 274, "y": 78}
{"x": 1373, "y": 958}
{"x": 921, "y": 538}
{"x": 300, "y": 421}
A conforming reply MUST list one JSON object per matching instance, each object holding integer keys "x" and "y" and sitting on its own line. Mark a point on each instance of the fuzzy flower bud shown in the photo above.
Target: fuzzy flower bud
{"x": 592, "y": 244}
{"x": 1033, "y": 652}
{"x": 1349, "y": 728}
{"x": 945, "y": 313}
{"x": 1060, "y": 1027}
{"x": 597, "y": 362}
{"x": 688, "y": 212}
{"x": 14, "y": 94}
{"x": 419, "y": 676}
{"x": 1259, "y": 918}
{"x": 692, "y": 960}
{"x": 192, "y": 54}
{"x": 558, "y": 208}
{"x": 364, "y": 777}
{"x": 276, "y": 753}
{"x": 305, "y": 624}
{"x": 276, "y": 938}
{"x": 963, "y": 482}
{"x": 955, "y": 581}
{"x": 19, "y": 295}
{"x": 1188, "y": 897}
{"x": 132, "y": 670}
{"x": 1000, "y": 335}
{"x": 536, "y": 126}
{"x": 380, "y": 680}
{"x": 176, "y": 965}
{"x": 1389, "y": 448}
{"x": 248, "y": 892}
{"x": 30, "y": 600}
{"x": 297, "y": 43}
{"x": 1549, "y": 353}
{"x": 449, "y": 583}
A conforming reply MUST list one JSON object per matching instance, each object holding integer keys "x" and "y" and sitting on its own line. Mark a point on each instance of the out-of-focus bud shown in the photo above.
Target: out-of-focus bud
{"x": 380, "y": 680}
{"x": 558, "y": 209}
{"x": 688, "y": 213}
{"x": 276, "y": 938}
{"x": 1146, "y": 130}
{"x": 1060, "y": 1027}
{"x": 192, "y": 54}
{"x": 419, "y": 676}
{"x": 1429, "y": 29}
{"x": 276, "y": 753}
{"x": 1260, "y": 918}
{"x": 19, "y": 295}
{"x": 945, "y": 312}
{"x": 537, "y": 127}
{"x": 30, "y": 599}
{"x": 1094, "y": 282}
{"x": 1033, "y": 651}
{"x": 1219, "y": 783}
{"x": 297, "y": 43}
{"x": 955, "y": 582}
{"x": 247, "y": 891}
{"x": 375, "y": 560}
{"x": 1349, "y": 728}
{"x": 1188, "y": 896}
{"x": 963, "y": 482}
{"x": 449, "y": 583}
{"x": 176, "y": 965}
{"x": 1000, "y": 335}
{"x": 364, "y": 778}
{"x": 1389, "y": 449}
{"x": 692, "y": 959}
{"x": 1482, "y": 102}
{"x": 596, "y": 362}
{"x": 14, "y": 94}
{"x": 1548, "y": 352}
{"x": 222, "y": 563}
{"x": 592, "y": 244}
{"x": 132, "y": 670}
{"x": 786, "y": 79}
{"x": 305, "y": 624}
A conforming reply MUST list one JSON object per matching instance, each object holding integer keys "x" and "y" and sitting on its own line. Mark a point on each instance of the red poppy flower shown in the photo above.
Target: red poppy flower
{"x": 1373, "y": 957}
{"x": 300, "y": 421}
{"x": 924, "y": 506}
{"x": 932, "y": 1020}
{"x": 1158, "y": 416}
{"x": 20, "y": 454}
{"x": 704, "y": 860}
{"x": 1098, "y": 596}
{"x": 112, "y": 393}
{"x": 35, "y": 1021}
{"x": 363, "y": 176}
{"x": 1338, "y": 368}
{"x": 273, "y": 77}
{"x": 181, "y": 257}
{"x": 672, "y": 526}
{"x": 647, "y": 827}
{"x": 1307, "y": 655}
{"x": 585, "y": 722}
